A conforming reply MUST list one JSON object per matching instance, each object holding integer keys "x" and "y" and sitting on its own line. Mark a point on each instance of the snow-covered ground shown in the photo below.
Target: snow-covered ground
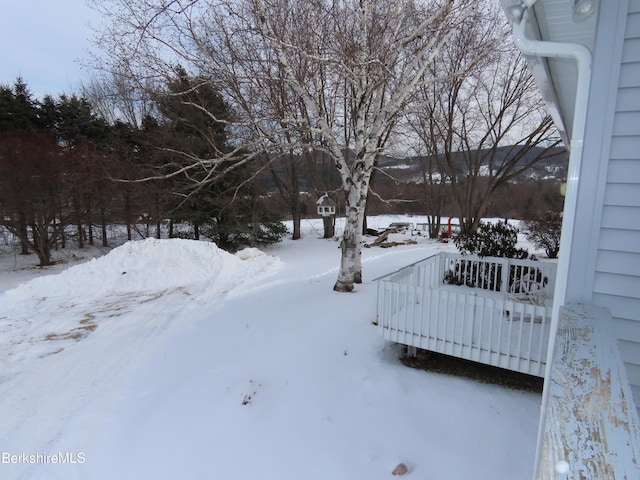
{"x": 171, "y": 359}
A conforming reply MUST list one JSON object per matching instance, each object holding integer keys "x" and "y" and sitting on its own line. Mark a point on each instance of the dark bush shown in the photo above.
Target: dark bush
{"x": 491, "y": 240}
{"x": 544, "y": 232}
{"x": 235, "y": 236}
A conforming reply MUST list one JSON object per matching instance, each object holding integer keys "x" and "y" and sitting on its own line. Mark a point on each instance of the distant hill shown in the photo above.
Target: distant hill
{"x": 409, "y": 169}
{"x": 399, "y": 171}
{"x": 399, "y": 187}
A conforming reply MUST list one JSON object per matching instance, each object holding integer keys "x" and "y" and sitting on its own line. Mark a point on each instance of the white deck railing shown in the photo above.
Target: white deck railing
{"x": 492, "y": 310}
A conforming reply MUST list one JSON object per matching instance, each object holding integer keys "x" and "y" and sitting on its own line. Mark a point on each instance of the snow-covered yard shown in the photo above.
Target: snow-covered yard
{"x": 173, "y": 359}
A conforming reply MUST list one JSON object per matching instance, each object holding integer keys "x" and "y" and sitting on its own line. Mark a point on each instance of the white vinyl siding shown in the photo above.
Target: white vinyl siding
{"x": 620, "y": 217}
{"x": 623, "y": 195}
{"x": 627, "y": 241}
{"x": 627, "y": 123}
{"x": 620, "y": 263}
{"x": 621, "y": 171}
{"x": 628, "y": 99}
{"x": 610, "y": 282}
{"x": 617, "y": 277}
{"x": 628, "y": 328}
{"x": 631, "y": 51}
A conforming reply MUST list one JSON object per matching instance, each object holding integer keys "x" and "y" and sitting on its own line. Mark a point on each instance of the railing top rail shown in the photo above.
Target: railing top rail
{"x": 502, "y": 260}
{"x": 469, "y": 256}
{"x": 430, "y": 259}
{"x": 533, "y": 280}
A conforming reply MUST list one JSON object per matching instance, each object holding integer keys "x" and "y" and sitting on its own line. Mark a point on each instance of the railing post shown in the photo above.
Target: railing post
{"x": 506, "y": 268}
{"x": 379, "y": 303}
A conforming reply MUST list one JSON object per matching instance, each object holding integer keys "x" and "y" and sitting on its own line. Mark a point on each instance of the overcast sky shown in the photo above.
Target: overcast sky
{"x": 42, "y": 41}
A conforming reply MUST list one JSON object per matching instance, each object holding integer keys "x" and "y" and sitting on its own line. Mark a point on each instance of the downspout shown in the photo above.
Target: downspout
{"x": 582, "y": 56}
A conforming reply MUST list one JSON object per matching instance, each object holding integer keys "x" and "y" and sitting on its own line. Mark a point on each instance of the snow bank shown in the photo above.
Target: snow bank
{"x": 150, "y": 265}
{"x": 76, "y": 332}
{"x": 52, "y": 313}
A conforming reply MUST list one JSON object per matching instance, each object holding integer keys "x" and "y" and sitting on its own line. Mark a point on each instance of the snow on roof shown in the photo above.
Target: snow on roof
{"x": 325, "y": 200}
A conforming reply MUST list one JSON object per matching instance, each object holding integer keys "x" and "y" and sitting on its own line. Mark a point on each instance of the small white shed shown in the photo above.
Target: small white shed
{"x": 327, "y": 210}
{"x": 326, "y": 206}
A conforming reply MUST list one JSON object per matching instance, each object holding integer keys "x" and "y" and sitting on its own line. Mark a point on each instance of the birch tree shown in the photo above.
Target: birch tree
{"x": 366, "y": 62}
{"x": 349, "y": 65}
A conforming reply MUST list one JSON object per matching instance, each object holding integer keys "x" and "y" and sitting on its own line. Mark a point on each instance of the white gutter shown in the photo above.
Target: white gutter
{"x": 582, "y": 56}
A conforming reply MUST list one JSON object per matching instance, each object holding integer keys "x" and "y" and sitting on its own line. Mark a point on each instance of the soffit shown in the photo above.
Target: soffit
{"x": 557, "y": 77}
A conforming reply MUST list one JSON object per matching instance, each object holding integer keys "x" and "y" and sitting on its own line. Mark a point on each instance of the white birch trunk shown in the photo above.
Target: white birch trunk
{"x": 350, "y": 261}
{"x": 356, "y": 190}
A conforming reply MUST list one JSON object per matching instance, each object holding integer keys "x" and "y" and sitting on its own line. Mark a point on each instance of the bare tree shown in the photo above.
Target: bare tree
{"x": 33, "y": 190}
{"x": 116, "y": 96}
{"x": 366, "y": 64}
{"x": 509, "y": 112}
{"x": 349, "y": 67}
{"x": 467, "y": 122}
{"x": 285, "y": 154}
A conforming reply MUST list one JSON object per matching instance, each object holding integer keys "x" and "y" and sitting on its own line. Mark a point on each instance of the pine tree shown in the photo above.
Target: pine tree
{"x": 195, "y": 125}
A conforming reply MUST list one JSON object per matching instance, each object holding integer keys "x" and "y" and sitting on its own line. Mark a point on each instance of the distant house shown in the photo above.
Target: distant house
{"x": 585, "y": 57}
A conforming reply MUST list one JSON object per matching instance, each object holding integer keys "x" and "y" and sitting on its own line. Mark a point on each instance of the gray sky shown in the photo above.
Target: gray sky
{"x": 43, "y": 41}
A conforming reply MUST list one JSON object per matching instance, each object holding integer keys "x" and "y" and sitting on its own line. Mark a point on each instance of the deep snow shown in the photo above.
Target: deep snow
{"x": 173, "y": 359}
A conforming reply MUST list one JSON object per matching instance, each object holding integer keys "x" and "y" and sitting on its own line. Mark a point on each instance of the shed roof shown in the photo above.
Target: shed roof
{"x": 326, "y": 201}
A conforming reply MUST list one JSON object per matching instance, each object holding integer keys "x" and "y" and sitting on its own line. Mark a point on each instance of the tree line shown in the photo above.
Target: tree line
{"x": 68, "y": 174}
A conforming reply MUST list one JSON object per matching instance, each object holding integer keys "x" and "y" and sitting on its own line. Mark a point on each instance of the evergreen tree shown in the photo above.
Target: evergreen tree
{"x": 31, "y": 173}
{"x": 18, "y": 109}
{"x": 196, "y": 118}
{"x": 83, "y": 139}
{"x": 50, "y": 154}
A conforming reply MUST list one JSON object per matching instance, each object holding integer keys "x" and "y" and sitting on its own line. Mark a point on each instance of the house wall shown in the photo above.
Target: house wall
{"x": 616, "y": 281}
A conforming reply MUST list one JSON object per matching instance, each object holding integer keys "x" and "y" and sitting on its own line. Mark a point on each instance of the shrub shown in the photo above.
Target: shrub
{"x": 544, "y": 232}
{"x": 235, "y": 236}
{"x": 491, "y": 240}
